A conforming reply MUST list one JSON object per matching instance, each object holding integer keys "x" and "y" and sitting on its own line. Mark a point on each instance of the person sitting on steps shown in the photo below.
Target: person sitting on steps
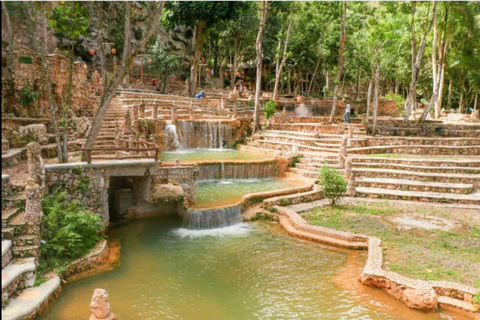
{"x": 200, "y": 95}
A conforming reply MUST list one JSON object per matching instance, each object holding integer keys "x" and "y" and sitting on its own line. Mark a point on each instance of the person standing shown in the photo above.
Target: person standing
{"x": 346, "y": 116}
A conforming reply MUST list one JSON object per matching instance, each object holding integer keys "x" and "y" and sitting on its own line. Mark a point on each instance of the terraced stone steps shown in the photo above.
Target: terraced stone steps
{"x": 422, "y": 176}
{"x": 421, "y": 162}
{"x": 419, "y": 149}
{"x": 358, "y": 129}
{"x": 6, "y": 252}
{"x": 473, "y": 198}
{"x": 419, "y": 168}
{"x": 452, "y": 303}
{"x": 413, "y": 185}
{"x": 280, "y": 145}
{"x": 18, "y": 274}
{"x": 30, "y": 300}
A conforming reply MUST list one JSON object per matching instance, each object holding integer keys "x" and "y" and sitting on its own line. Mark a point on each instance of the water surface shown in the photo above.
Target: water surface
{"x": 236, "y": 273}
{"x": 192, "y": 155}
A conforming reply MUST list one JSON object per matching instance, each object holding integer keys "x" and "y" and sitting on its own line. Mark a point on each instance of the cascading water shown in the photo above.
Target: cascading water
{"x": 199, "y": 219}
{"x": 303, "y": 111}
{"x": 233, "y": 170}
{"x": 172, "y": 139}
{"x": 206, "y": 134}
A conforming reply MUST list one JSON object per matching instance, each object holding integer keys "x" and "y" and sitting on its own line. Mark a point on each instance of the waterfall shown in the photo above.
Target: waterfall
{"x": 237, "y": 170}
{"x": 198, "y": 219}
{"x": 172, "y": 140}
{"x": 303, "y": 111}
{"x": 206, "y": 134}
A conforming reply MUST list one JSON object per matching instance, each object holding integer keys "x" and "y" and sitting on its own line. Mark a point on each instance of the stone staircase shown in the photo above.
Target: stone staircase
{"x": 114, "y": 118}
{"x": 418, "y": 179}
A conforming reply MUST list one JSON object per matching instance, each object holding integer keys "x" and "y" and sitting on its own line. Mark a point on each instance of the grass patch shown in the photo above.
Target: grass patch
{"x": 428, "y": 254}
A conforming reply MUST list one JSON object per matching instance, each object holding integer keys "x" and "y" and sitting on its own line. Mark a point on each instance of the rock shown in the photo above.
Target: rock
{"x": 100, "y": 306}
{"x": 167, "y": 191}
{"x": 425, "y": 300}
{"x": 33, "y": 132}
{"x": 82, "y": 125}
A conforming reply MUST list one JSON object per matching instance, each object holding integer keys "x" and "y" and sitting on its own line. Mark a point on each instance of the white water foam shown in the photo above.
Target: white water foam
{"x": 237, "y": 230}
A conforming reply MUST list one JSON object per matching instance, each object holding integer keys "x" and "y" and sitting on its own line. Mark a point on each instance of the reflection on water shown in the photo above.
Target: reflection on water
{"x": 211, "y": 154}
{"x": 241, "y": 272}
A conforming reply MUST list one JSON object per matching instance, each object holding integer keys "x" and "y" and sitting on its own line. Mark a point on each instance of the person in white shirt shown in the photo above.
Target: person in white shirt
{"x": 346, "y": 116}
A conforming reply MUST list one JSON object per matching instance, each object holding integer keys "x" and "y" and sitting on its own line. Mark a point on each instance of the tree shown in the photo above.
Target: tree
{"x": 284, "y": 56}
{"x": 199, "y": 15}
{"x": 130, "y": 52}
{"x": 340, "y": 60}
{"x": 334, "y": 184}
{"x": 258, "y": 82}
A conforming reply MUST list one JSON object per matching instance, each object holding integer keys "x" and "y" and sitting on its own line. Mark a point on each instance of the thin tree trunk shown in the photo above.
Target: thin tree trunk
{"x": 418, "y": 63}
{"x": 369, "y": 100}
{"x": 475, "y": 103}
{"x": 434, "y": 53}
{"x": 284, "y": 57}
{"x": 442, "y": 54}
{"x": 196, "y": 57}
{"x": 449, "y": 98}
{"x": 8, "y": 23}
{"x": 358, "y": 82}
{"x": 279, "y": 46}
{"x": 375, "y": 98}
{"x": 314, "y": 75}
{"x": 343, "y": 36}
{"x": 258, "y": 84}
{"x": 129, "y": 54}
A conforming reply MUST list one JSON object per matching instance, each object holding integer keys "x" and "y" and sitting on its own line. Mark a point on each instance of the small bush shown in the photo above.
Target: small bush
{"x": 269, "y": 108}
{"x": 476, "y": 301}
{"x": 285, "y": 202}
{"x": 69, "y": 231}
{"x": 294, "y": 162}
{"x": 334, "y": 184}
{"x": 27, "y": 96}
{"x": 399, "y": 102}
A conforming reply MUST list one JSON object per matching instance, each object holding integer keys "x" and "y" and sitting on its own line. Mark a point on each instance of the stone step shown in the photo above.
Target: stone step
{"x": 26, "y": 304}
{"x": 18, "y": 274}
{"x": 419, "y": 161}
{"x": 7, "y": 233}
{"x": 473, "y": 198}
{"x": 319, "y": 155}
{"x": 413, "y": 185}
{"x": 288, "y": 146}
{"x": 26, "y": 251}
{"x": 420, "y": 168}
{"x": 305, "y": 173}
{"x": 317, "y": 161}
{"x": 8, "y": 214}
{"x": 314, "y": 167}
{"x": 419, "y": 149}
{"x": 420, "y": 176}
{"x": 6, "y": 252}
{"x": 28, "y": 240}
{"x": 452, "y": 303}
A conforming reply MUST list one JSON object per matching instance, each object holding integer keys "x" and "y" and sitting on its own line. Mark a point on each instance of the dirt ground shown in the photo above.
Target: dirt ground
{"x": 423, "y": 241}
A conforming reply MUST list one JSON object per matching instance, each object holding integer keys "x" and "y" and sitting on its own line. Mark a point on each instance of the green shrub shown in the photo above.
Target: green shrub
{"x": 399, "y": 102}
{"x": 269, "y": 108}
{"x": 68, "y": 229}
{"x": 476, "y": 301}
{"x": 27, "y": 96}
{"x": 334, "y": 184}
{"x": 294, "y": 162}
{"x": 285, "y": 202}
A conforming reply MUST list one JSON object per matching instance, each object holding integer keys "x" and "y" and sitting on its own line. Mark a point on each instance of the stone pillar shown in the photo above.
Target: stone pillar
{"x": 5, "y": 146}
{"x": 222, "y": 103}
{"x": 134, "y": 115}
{"x": 33, "y": 211}
{"x": 100, "y": 306}
{"x": 234, "y": 113}
{"x": 192, "y": 112}
{"x": 342, "y": 153}
{"x": 127, "y": 124}
{"x": 350, "y": 176}
{"x": 174, "y": 115}
{"x": 155, "y": 112}
{"x": 33, "y": 161}
{"x": 141, "y": 111}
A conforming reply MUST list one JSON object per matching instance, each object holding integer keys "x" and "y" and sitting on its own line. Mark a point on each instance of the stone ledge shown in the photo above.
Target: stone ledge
{"x": 96, "y": 257}
{"x": 415, "y": 293}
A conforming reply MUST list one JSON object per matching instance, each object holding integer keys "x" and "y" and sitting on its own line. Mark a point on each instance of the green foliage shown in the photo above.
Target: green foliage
{"x": 69, "y": 230}
{"x": 285, "y": 202}
{"x": 269, "y": 108}
{"x": 399, "y": 102}
{"x": 70, "y": 20}
{"x": 27, "y": 96}
{"x": 476, "y": 301}
{"x": 261, "y": 216}
{"x": 334, "y": 184}
{"x": 83, "y": 180}
{"x": 294, "y": 162}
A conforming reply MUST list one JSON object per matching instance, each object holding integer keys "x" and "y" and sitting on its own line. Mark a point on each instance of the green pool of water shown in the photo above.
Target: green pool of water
{"x": 217, "y": 193}
{"x": 211, "y": 154}
{"x": 241, "y": 272}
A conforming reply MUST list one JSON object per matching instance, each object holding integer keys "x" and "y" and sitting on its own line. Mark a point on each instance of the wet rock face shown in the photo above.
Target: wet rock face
{"x": 425, "y": 300}
{"x": 100, "y": 306}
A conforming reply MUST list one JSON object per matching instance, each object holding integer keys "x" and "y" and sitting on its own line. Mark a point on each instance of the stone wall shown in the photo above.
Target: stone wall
{"x": 95, "y": 258}
{"x": 429, "y": 130}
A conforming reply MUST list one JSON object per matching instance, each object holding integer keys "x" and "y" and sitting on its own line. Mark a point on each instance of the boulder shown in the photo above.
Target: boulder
{"x": 167, "y": 192}
{"x": 33, "y": 132}
{"x": 82, "y": 125}
{"x": 425, "y": 300}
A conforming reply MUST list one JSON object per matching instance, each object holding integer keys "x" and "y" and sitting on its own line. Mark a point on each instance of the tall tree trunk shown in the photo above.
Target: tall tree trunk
{"x": 284, "y": 57}
{"x": 418, "y": 62}
{"x": 450, "y": 91}
{"x": 129, "y": 55}
{"x": 358, "y": 82}
{"x": 279, "y": 46}
{"x": 434, "y": 54}
{"x": 258, "y": 83}
{"x": 442, "y": 54}
{"x": 8, "y": 25}
{"x": 314, "y": 75}
{"x": 196, "y": 57}
{"x": 369, "y": 100}
{"x": 375, "y": 98}
{"x": 101, "y": 51}
{"x": 343, "y": 36}
{"x": 475, "y": 103}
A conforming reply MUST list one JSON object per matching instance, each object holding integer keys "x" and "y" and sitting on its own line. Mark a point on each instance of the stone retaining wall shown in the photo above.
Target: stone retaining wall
{"x": 415, "y": 293}
{"x": 96, "y": 257}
